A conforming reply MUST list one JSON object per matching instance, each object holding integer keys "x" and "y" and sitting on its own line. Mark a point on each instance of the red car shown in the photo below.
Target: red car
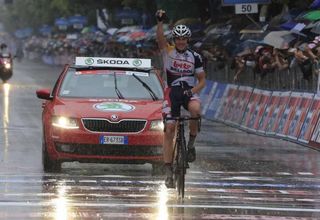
{"x": 104, "y": 110}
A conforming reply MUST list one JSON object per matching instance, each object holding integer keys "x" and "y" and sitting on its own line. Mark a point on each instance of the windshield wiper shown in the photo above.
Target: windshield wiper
{"x": 153, "y": 95}
{"x": 120, "y": 96}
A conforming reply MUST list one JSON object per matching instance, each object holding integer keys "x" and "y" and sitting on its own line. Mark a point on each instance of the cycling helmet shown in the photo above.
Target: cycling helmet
{"x": 181, "y": 30}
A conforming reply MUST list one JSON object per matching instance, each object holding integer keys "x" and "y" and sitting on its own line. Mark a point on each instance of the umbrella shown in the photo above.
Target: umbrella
{"x": 247, "y": 45}
{"x": 279, "y": 39}
{"x": 316, "y": 28}
{"x": 127, "y": 29}
{"x": 111, "y": 31}
{"x": 123, "y": 38}
{"x": 288, "y": 25}
{"x": 85, "y": 30}
{"x": 151, "y": 33}
{"x": 138, "y": 35}
{"x": 312, "y": 15}
{"x": 315, "y": 4}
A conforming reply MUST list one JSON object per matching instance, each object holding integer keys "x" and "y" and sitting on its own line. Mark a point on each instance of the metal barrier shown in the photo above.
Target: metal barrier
{"x": 290, "y": 79}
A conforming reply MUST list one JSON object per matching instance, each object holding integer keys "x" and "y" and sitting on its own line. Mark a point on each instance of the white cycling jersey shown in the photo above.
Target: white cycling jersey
{"x": 181, "y": 67}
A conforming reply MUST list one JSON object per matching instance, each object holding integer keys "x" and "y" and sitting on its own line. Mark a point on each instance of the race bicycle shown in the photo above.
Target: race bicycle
{"x": 179, "y": 160}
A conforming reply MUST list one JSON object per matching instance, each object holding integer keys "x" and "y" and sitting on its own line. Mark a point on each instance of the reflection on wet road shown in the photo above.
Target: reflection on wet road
{"x": 236, "y": 175}
{"x": 133, "y": 193}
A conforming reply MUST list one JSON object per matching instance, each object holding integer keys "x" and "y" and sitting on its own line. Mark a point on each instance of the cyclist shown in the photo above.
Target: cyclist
{"x": 185, "y": 77}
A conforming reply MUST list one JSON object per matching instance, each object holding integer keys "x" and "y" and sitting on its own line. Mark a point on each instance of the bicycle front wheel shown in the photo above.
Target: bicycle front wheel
{"x": 181, "y": 167}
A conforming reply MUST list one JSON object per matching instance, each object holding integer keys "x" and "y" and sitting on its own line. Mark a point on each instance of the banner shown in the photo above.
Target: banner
{"x": 310, "y": 121}
{"x": 227, "y": 101}
{"x": 254, "y": 99}
{"x": 284, "y": 99}
{"x": 255, "y": 109}
{"x": 267, "y": 114}
{"x": 260, "y": 109}
{"x": 277, "y": 111}
{"x": 232, "y": 108}
{"x": 244, "y": 93}
{"x": 205, "y": 91}
{"x": 216, "y": 100}
{"x": 288, "y": 113}
{"x": 315, "y": 138}
{"x": 300, "y": 116}
{"x": 207, "y": 94}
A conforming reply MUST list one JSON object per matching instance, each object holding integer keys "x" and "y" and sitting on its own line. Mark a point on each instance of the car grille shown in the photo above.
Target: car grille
{"x": 124, "y": 126}
{"x": 112, "y": 150}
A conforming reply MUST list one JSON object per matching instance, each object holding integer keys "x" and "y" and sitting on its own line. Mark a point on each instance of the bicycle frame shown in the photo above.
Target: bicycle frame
{"x": 179, "y": 160}
{"x": 180, "y": 163}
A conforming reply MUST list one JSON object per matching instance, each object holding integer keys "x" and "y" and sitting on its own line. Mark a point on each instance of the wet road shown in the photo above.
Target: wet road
{"x": 236, "y": 175}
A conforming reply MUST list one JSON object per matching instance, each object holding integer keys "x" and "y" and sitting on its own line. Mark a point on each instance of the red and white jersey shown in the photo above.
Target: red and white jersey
{"x": 181, "y": 66}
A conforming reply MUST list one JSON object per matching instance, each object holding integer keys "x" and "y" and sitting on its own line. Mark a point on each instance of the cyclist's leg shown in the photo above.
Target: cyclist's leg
{"x": 169, "y": 110}
{"x": 194, "y": 107}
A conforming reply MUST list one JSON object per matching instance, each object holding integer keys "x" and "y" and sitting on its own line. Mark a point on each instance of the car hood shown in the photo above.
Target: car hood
{"x": 93, "y": 108}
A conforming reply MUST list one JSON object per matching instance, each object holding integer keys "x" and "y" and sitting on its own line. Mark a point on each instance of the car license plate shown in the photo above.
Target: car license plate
{"x": 113, "y": 139}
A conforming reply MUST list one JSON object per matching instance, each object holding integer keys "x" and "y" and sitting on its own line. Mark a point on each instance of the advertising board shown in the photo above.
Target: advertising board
{"x": 241, "y": 104}
{"x": 288, "y": 113}
{"x": 215, "y": 101}
{"x": 300, "y": 116}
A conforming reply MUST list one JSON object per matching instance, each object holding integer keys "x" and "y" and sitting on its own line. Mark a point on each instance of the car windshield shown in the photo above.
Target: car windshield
{"x": 105, "y": 83}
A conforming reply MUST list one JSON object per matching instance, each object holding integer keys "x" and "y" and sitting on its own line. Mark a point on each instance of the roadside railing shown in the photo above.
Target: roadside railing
{"x": 289, "y": 79}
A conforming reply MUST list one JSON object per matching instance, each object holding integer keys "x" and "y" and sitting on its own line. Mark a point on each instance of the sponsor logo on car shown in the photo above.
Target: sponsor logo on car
{"x": 137, "y": 62}
{"x": 89, "y": 61}
{"x": 114, "y": 107}
{"x": 114, "y": 117}
{"x": 107, "y": 61}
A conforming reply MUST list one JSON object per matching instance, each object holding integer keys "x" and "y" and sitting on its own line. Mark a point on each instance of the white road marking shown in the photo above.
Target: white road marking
{"x": 305, "y": 173}
{"x": 155, "y": 205}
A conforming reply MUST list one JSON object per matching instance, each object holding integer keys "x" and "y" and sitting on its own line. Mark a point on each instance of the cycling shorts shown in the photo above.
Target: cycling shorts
{"x": 174, "y": 99}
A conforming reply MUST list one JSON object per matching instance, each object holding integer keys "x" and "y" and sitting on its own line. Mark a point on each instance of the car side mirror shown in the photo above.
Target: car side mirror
{"x": 44, "y": 94}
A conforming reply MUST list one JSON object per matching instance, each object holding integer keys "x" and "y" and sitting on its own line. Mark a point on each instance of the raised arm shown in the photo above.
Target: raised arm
{"x": 162, "y": 42}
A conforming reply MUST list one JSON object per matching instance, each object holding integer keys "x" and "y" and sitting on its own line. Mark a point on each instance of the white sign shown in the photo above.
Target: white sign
{"x": 113, "y": 62}
{"x": 246, "y": 8}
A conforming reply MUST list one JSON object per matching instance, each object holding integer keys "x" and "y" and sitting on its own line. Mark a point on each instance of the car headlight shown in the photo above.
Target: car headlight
{"x": 64, "y": 122}
{"x": 157, "y": 125}
{"x": 7, "y": 65}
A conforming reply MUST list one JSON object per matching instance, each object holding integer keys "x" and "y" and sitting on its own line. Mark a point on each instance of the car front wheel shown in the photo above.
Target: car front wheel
{"x": 48, "y": 164}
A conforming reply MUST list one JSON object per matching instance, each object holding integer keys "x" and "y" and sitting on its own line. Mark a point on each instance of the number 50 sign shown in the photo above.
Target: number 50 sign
{"x": 246, "y": 8}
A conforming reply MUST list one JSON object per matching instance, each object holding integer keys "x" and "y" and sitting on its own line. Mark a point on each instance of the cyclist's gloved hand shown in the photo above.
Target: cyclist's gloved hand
{"x": 160, "y": 15}
{"x": 188, "y": 93}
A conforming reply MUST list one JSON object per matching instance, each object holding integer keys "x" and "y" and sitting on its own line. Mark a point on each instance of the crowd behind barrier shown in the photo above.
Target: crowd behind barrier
{"x": 289, "y": 115}
{"x": 279, "y": 102}
{"x": 294, "y": 68}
